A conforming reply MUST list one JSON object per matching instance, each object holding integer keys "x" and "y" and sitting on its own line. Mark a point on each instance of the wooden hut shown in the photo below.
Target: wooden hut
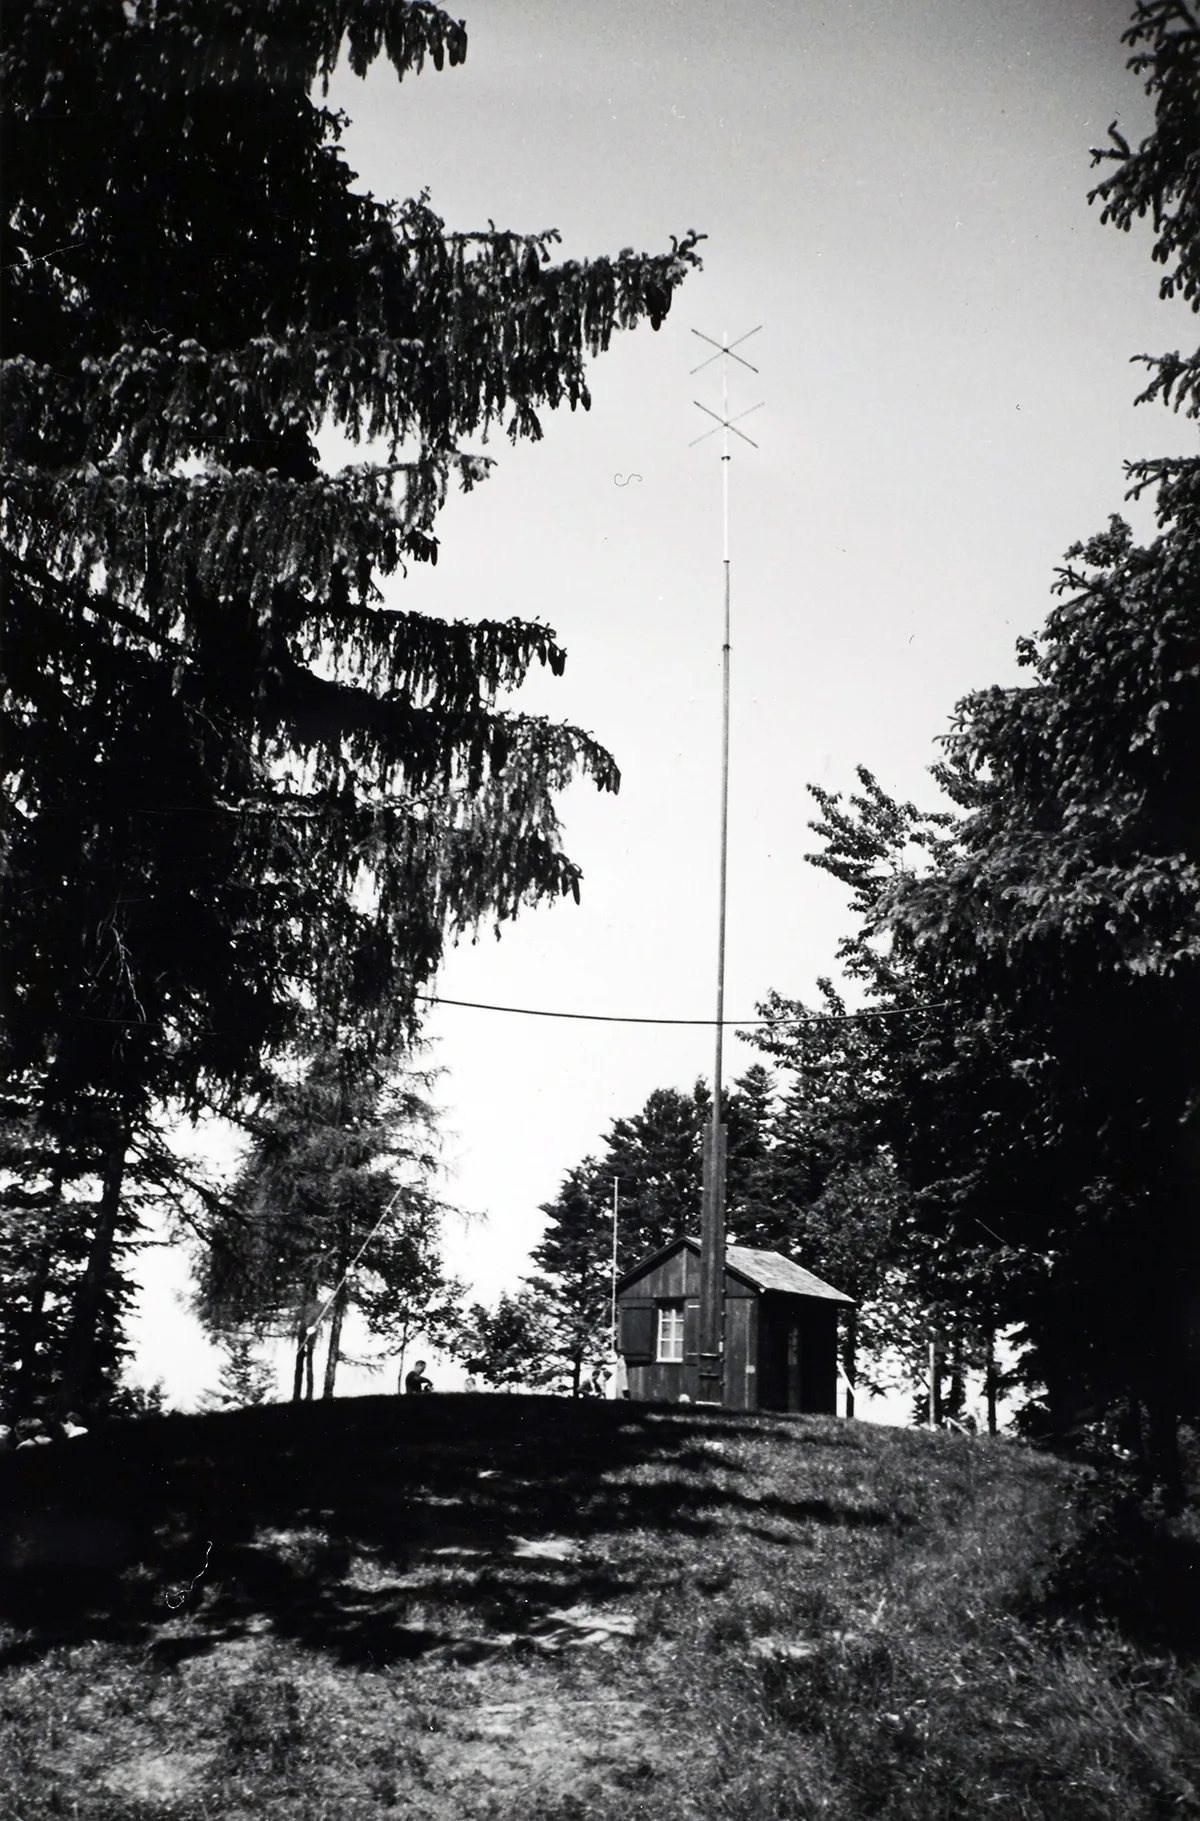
{"x": 781, "y": 1330}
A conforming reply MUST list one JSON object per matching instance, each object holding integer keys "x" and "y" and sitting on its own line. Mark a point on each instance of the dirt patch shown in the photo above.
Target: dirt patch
{"x": 163, "y": 1776}
{"x": 547, "y": 1744}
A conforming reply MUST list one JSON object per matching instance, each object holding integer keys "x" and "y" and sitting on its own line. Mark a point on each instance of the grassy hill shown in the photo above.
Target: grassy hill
{"x": 528, "y": 1608}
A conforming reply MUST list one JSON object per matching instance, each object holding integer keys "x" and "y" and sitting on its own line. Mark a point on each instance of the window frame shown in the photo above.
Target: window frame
{"x": 669, "y": 1332}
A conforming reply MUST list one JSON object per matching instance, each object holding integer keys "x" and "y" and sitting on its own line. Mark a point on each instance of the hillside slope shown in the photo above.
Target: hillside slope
{"x": 495, "y": 1607}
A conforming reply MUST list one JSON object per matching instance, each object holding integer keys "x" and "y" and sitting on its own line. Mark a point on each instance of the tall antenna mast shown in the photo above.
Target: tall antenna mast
{"x": 711, "y": 1374}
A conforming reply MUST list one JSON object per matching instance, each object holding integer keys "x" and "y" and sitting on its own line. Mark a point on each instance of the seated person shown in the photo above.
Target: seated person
{"x": 415, "y": 1382}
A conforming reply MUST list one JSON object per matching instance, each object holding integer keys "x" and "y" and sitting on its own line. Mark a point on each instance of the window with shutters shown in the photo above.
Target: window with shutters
{"x": 637, "y": 1333}
{"x": 670, "y": 1331}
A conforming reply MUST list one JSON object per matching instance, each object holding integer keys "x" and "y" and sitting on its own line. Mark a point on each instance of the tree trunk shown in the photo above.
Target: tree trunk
{"x": 956, "y": 1394}
{"x": 989, "y": 1379}
{"x": 1165, "y": 1458}
{"x": 33, "y": 1325}
{"x": 306, "y": 1343}
{"x": 298, "y": 1375}
{"x": 935, "y": 1382}
{"x": 81, "y": 1338}
{"x": 850, "y": 1359}
{"x": 406, "y": 1334}
{"x": 337, "y": 1316}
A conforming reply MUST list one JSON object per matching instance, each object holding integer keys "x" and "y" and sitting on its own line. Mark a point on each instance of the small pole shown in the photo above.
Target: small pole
{"x": 613, "y": 1312}
{"x": 710, "y": 1387}
{"x": 933, "y": 1380}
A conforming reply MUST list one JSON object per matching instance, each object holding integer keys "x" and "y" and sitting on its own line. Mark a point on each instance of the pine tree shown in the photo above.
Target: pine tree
{"x": 245, "y": 1379}
{"x": 333, "y": 1211}
{"x": 407, "y": 1290}
{"x": 240, "y": 784}
{"x": 48, "y": 1204}
{"x": 652, "y": 1159}
{"x": 1064, "y": 915}
{"x": 572, "y": 1286}
{"x": 878, "y": 1165}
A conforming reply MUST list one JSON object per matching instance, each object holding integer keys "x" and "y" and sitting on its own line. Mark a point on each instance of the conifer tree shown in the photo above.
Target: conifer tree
{"x": 48, "y": 1205}
{"x": 572, "y": 1286}
{"x": 653, "y": 1160}
{"x": 1053, "y": 1112}
{"x": 339, "y": 1150}
{"x": 241, "y": 784}
{"x": 878, "y": 1155}
{"x": 1065, "y": 913}
{"x": 244, "y": 1378}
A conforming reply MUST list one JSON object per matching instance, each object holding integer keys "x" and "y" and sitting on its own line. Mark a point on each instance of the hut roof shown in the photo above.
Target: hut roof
{"x": 772, "y": 1271}
{"x": 761, "y": 1270}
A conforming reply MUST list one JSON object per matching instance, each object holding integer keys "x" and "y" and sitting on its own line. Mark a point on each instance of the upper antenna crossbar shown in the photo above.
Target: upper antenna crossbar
{"x": 725, "y": 347}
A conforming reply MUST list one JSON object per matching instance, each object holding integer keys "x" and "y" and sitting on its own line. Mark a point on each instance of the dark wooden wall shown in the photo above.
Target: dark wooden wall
{"x": 797, "y": 1354}
{"x": 780, "y": 1350}
{"x": 818, "y": 1356}
{"x": 666, "y": 1381}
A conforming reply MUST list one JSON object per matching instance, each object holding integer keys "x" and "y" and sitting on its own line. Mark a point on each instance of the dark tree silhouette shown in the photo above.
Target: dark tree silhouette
{"x": 243, "y": 790}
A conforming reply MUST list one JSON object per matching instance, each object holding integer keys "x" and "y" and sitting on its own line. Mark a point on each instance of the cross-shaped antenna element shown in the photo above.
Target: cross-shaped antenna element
{"x": 723, "y": 421}
{"x": 724, "y": 347}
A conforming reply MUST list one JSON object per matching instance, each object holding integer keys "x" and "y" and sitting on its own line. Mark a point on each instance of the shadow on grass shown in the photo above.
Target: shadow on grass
{"x": 1132, "y": 1566}
{"x": 373, "y": 1528}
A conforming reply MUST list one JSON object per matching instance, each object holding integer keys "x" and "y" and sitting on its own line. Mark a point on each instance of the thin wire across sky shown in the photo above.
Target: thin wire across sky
{"x": 533, "y": 1011}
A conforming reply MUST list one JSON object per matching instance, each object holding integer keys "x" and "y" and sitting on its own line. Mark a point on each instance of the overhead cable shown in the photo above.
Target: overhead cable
{"x": 531, "y": 1011}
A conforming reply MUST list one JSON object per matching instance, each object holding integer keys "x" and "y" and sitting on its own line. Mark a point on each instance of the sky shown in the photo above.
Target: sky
{"x": 896, "y": 191}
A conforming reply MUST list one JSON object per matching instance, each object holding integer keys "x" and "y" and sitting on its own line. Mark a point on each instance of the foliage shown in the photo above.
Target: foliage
{"x": 332, "y": 1211}
{"x": 243, "y": 789}
{"x": 1045, "y": 1116}
{"x": 1042, "y": 1115}
{"x": 48, "y": 1202}
{"x": 827, "y": 1189}
{"x": 572, "y": 1286}
{"x": 509, "y": 1345}
{"x": 1038, "y": 1114}
{"x": 896, "y": 1109}
{"x": 244, "y": 1378}
{"x": 1068, "y": 910}
{"x": 132, "y": 1399}
{"x": 653, "y": 1161}
{"x": 1161, "y": 178}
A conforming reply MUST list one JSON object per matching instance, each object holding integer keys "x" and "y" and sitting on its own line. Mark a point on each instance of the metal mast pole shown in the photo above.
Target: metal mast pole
{"x": 613, "y": 1311}
{"x": 710, "y": 1387}
{"x": 717, "y": 1061}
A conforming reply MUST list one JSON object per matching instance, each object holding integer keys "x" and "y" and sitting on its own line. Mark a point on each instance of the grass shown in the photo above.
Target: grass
{"x": 501, "y": 1608}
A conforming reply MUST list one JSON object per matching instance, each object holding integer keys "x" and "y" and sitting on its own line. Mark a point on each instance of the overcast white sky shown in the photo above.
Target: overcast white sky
{"x": 896, "y": 190}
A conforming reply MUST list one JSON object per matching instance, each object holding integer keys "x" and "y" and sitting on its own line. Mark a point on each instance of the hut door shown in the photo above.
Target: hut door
{"x": 794, "y": 1388}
